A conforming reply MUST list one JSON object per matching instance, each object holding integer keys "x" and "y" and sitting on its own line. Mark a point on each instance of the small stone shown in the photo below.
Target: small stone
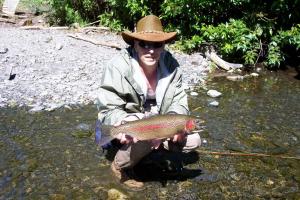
{"x": 235, "y": 177}
{"x": 58, "y": 46}
{"x": 48, "y": 39}
{"x": 68, "y": 107}
{"x": 258, "y": 69}
{"x": 254, "y": 74}
{"x": 97, "y": 189}
{"x": 214, "y": 93}
{"x": 270, "y": 182}
{"x": 28, "y": 190}
{"x": 37, "y": 108}
{"x": 114, "y": 194}
{"x": 214, "y": 103}
{"x": 3, "y": 50}
{"x": 194, "y": 94}
{"x": 57, "y": 197}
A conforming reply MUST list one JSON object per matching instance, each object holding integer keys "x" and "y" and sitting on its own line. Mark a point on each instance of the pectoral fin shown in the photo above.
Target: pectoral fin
{"x": 102, "y": 136}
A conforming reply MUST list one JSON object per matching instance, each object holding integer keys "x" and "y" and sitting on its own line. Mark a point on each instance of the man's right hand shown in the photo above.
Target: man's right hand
{"x": 126, "y": 139}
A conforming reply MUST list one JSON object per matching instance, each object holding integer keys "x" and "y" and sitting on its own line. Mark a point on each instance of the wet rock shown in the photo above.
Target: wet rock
{"x": 235, "y": 77}
{"x": 259, "y": 69}
{"x": 236, "y": 147}
{"x": 114, "y": 194}
{"x": 214, "y": 103}
{"x": 57, "y": 197}
{"x": 83, "y": 127}
{"x": 37, "y": 108}
{"x": 214, "y": 93}
{"x": 207, "y": 177}
{"x": 270, "y": 182}
{"x": 235, "y": 177}
{"x": 254, "y": 74}
{"x": 194, "y": 94}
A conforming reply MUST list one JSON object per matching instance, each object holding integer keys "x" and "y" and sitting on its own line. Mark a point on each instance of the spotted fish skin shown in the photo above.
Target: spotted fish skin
{"x": 155, "y": 127}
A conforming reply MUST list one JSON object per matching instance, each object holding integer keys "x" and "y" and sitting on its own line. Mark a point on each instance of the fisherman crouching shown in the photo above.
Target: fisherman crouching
{"x": 144, "y": 80}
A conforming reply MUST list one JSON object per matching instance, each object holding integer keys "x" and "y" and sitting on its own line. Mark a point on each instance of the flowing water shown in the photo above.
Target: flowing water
{"x": 51, "y": 155}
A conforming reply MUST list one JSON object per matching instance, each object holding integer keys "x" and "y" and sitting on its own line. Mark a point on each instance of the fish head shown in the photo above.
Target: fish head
{"x": 194, "y": 124}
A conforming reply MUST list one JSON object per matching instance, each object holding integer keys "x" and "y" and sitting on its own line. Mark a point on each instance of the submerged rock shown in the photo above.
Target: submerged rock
{"x": 254, "y": 74}
{"x": 114, "y": 194}
{"x": 214, "y": 93}
{"x": 194, "y": 94}
{"x": 214, "y": 103}
{"x": 235, "y": 77}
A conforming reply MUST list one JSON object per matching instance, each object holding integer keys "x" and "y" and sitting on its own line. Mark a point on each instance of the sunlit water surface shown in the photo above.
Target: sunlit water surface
{"x": 51, "y": 155}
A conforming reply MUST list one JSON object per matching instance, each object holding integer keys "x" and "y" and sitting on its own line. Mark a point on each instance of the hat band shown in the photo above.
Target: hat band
{"x": 142, "y": 32}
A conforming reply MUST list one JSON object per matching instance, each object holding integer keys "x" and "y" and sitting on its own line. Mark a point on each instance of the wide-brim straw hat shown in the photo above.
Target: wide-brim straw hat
{"x": 149, "y": 29}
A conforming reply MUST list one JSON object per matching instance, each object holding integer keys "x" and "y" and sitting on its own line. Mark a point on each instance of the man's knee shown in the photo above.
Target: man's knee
{"x": 192, "y": 142}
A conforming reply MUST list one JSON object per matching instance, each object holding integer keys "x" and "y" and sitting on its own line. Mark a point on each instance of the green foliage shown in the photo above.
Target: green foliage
{"x": 125, "y": 13}
{"x": 108, "y": 20}
{"x": 246, "y": 31}
{"x": 75, "y": 11}
{"x": 189, "y": 15}
{"x": 232, "y": 38}
{"x": 279, "y": 41}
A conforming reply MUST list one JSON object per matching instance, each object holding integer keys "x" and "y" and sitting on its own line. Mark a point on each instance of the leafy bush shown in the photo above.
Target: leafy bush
{"x": 66, "y": 12}
{"x": 288, "y": 38}
{"x": 125, "y": 13}
{"x": 234, "y": 40}
{"x": 246, "y": 31}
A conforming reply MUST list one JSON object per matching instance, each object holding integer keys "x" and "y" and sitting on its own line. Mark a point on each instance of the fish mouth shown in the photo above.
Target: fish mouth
{"x": 199, "y": 126}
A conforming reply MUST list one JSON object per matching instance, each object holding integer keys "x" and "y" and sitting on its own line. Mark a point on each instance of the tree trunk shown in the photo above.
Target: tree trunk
{"x": 220, "y": 62}
{"x": 9, "y": 7}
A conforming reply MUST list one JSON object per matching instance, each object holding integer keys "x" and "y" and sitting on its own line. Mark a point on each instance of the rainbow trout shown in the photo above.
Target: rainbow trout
{"x": 155, "y": 127}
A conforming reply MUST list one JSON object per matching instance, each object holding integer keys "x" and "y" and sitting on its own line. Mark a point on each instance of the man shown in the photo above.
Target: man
{"x": 144, "y": 80}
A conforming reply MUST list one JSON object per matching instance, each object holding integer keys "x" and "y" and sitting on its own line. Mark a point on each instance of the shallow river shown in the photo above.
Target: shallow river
{"x": 51, "y": 155}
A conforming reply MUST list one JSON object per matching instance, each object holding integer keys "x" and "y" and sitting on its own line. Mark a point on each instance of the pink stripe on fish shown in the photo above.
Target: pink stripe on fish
{"x": 150, "y": 127}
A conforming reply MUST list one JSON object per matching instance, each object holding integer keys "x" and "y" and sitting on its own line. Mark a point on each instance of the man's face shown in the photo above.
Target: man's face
{"x": 148, "y": 52}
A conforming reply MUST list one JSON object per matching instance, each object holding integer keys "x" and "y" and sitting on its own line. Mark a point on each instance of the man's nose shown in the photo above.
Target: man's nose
{"x": 151, "y": 50}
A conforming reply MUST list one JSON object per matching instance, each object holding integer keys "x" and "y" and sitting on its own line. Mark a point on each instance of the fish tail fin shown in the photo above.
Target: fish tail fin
{"x": 102, "y": 134}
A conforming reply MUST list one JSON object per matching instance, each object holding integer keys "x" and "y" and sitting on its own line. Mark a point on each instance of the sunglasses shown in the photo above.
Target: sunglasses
{"x": 148, "y": 45}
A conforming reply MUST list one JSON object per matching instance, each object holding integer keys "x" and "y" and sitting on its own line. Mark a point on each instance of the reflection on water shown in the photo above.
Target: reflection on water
{"x": 53, "y": 156}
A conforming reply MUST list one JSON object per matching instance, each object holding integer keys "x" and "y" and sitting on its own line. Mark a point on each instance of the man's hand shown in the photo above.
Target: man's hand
{"x": 179, "y": 137}
{"x": 126, "y": 139}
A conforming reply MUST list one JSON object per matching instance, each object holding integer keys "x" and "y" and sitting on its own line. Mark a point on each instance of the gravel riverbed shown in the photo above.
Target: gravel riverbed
{"x": 46, "y": 69}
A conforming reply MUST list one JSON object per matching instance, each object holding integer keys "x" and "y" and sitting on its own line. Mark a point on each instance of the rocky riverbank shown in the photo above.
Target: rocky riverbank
{"x": 46, "y": 69}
